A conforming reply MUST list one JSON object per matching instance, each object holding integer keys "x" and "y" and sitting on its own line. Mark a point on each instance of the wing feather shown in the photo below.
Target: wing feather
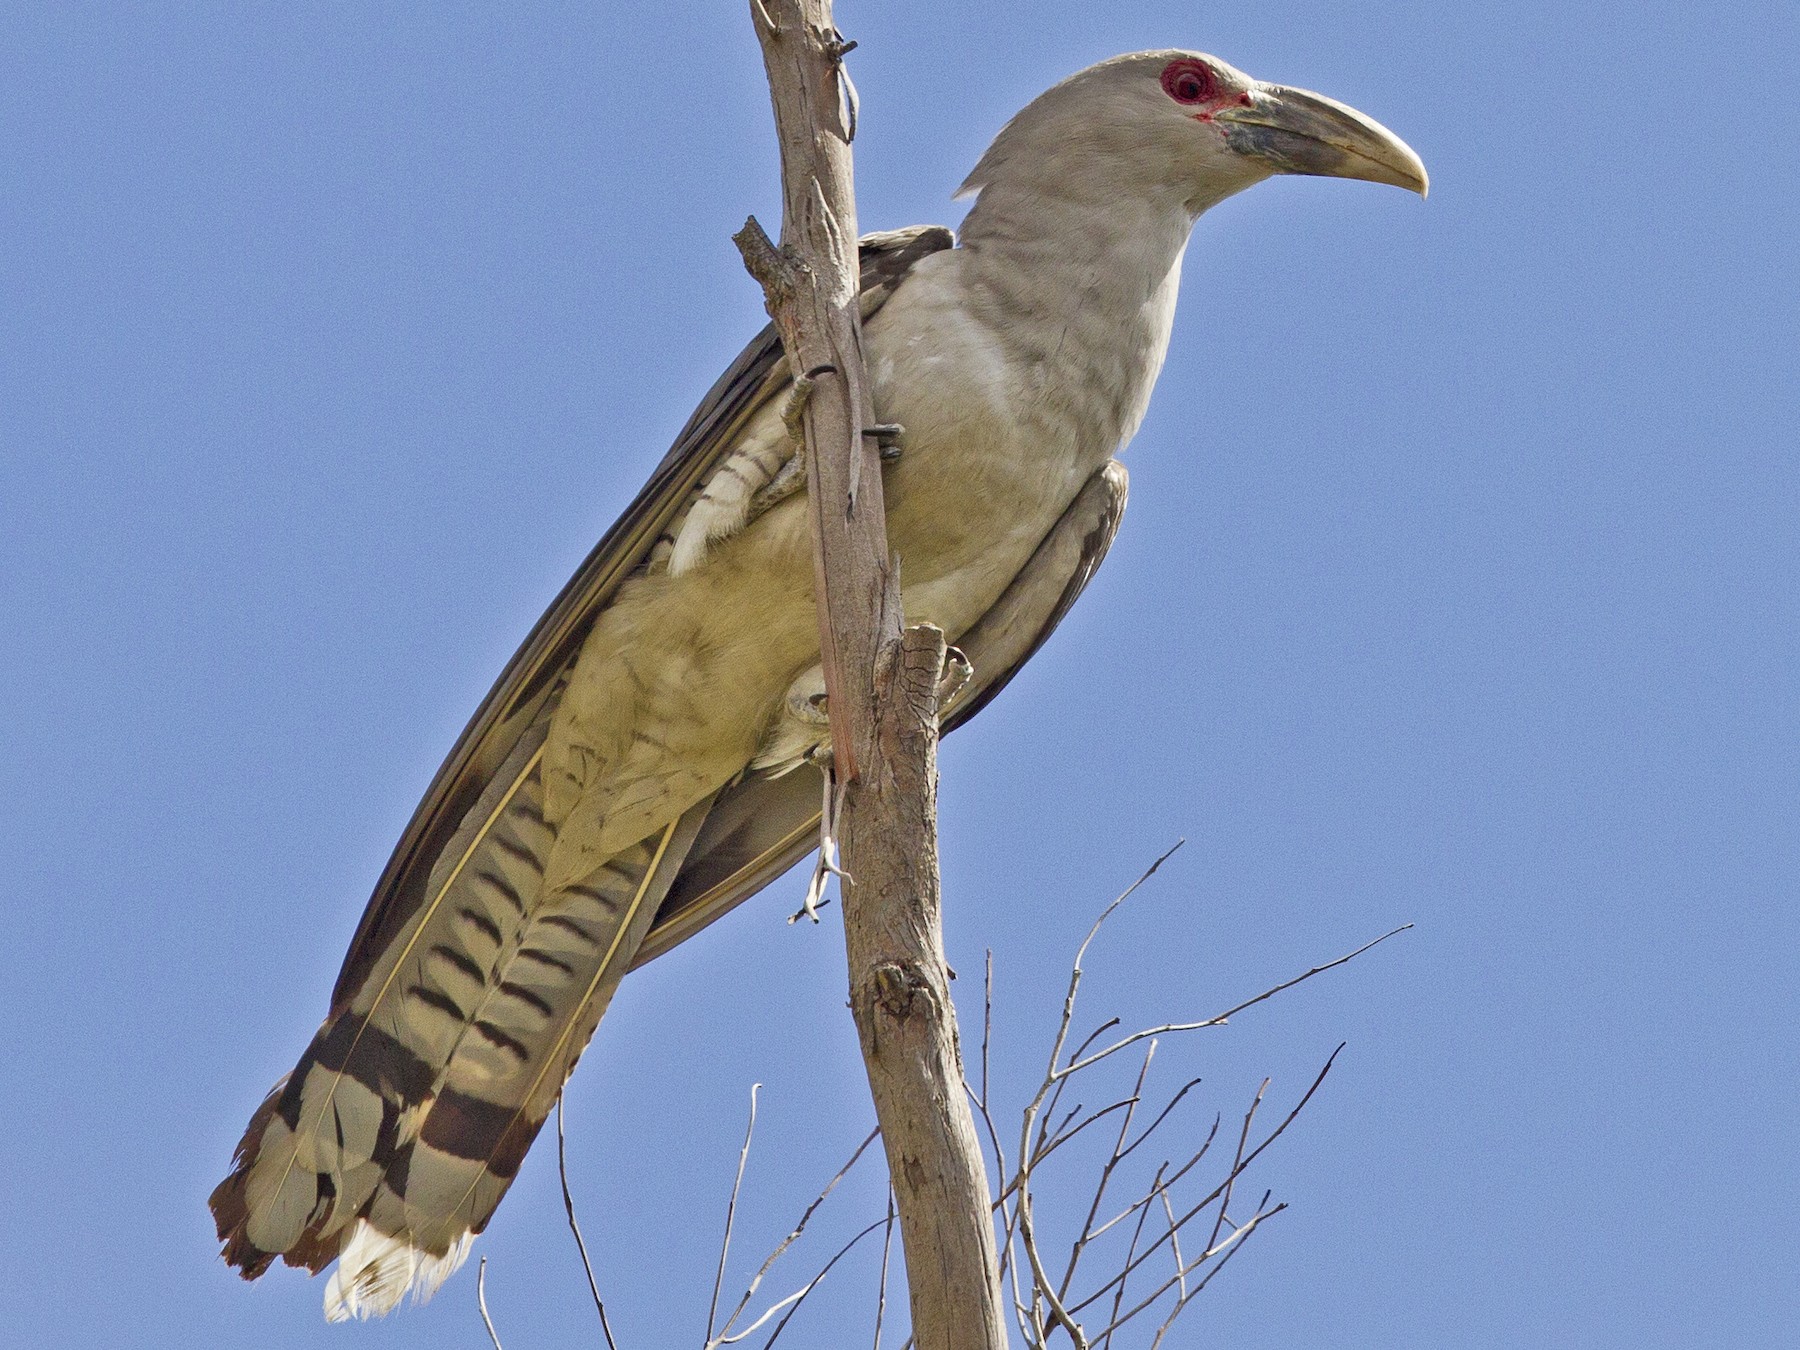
{"x": 758, "y": 375}
{"x": 474, "y": 980}
{"x": 471, "y": 986}
{"x": 761, "y": 826}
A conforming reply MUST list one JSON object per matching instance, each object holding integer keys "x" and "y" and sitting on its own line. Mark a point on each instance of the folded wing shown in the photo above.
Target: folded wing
{"x": 472, "y": 986}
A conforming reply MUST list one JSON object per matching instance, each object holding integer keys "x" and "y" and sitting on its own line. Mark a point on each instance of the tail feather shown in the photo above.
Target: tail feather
{"x": 375, "y": 1271}
{"x": 392, "y": 1141}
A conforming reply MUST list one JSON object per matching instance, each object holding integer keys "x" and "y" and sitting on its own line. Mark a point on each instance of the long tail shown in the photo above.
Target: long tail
{"x": 391, "y": 1142}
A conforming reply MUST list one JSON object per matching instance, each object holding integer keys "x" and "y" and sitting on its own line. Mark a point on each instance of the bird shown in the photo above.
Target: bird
{"x": 633, "y": 774}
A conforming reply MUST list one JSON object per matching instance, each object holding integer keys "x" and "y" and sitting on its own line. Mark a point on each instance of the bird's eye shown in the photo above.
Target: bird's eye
{"x": 1189, "y": 81}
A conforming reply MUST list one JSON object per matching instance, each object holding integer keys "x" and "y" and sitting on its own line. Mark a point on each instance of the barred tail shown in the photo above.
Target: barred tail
{"x": 392, "y": 1141}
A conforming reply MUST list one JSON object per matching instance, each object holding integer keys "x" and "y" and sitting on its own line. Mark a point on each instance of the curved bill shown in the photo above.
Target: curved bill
{"x": 1296, "y": 131}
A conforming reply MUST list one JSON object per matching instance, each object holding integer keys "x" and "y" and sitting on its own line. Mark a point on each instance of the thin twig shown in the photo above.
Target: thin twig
{"x": 987, "y": 1120}
{"x": 1177, "y": 1175}
{"x": 481, "y": 1302}
{"x": 799, "y": 1296}
{"x": 1055, "y": 1082}
{"x": 1163, "y": 1115}
{"x": 887, "y": 1251}
{"x": 562, "y": 1172}
{"x": 1237, "y": 1167}
{"x": 1219, "y": 1190}
{"x": 987, "y": 1022}
{"x": 1106, "y": 1171}
{"x": 1222, "y": 1251}
{"x": 1175, "y": 1242}
{"x": 1125, "y": 895}
{"x": 724, "y": 1337}
{"x": 712, "y": 1311}
{"x": 1136, "y": 1233}
{"x": 1041, "y": 1278}
{"x": 1192, "y": 1294}
{"x": 1045, "y": 1128}
{"x": 1299, "y": 1106}
{"x": 1061, "y": 1138}
{"x": 1008, "y": 1268}
{"x": 1068, "y": 1010}
{"x": 1043, "y": 1108}
{"x": 1076, "y": 1066}
{"x": 1047, "y": 1134}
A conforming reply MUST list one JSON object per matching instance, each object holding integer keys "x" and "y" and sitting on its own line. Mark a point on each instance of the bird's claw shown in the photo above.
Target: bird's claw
{"x": 793, "y": 412}
{"x": 890, "y": 439}
{"x": 816, "y": 899}
{"x": 825, "y": 866}
{"x": 958, "y": 671}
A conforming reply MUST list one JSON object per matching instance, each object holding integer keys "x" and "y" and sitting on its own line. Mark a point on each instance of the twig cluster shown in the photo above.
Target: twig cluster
{"x": 1141, "y": 1238}
{"x": 730, "y": 1333}
{"x": 1156, "y": 1250}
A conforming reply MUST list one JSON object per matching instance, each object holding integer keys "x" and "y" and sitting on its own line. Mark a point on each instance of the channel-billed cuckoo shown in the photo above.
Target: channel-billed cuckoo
{"x": 628, "y": 778}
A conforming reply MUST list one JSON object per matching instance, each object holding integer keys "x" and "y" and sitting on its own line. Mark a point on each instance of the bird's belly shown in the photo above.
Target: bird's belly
{"x": 966, "y": 507}
{"x": 683, "y": 675}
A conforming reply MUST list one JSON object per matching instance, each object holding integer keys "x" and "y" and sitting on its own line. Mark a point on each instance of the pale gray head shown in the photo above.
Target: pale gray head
{"x": 1186, "y": 127}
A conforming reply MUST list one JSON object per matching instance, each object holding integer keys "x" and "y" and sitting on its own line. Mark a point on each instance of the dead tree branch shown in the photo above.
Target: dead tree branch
{"x": 882, "y": 690}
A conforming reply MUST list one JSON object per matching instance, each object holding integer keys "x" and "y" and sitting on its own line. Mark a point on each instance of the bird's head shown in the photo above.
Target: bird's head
{"x": 1191, "y": 125}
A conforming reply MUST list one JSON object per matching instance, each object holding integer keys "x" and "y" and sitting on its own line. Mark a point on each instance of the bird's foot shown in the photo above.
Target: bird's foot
{"x": 890, "y": 439}
{"x": 825, "y": 866}
{"x": 958, "y": 671}
{"x": 793, "y": 412}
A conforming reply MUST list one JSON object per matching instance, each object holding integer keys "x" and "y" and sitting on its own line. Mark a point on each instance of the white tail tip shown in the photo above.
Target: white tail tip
{"x": 375, "y": 1271}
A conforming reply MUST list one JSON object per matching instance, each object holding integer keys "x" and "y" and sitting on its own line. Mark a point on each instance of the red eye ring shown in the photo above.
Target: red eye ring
{"x": 1189, "y": 81}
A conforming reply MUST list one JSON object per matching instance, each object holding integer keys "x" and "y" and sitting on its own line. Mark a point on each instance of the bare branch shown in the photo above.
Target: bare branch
{"x": 1106, "y": 1172}
{"x": 724, "y": 1338}
{"x": 1060, "y": 1138}
{"x": 1079, "y": 1064}
{"x": 1046, "y": 1134}
{"x": 1041, "y": 1278}
{"x": 1053, "y": 1079}
{"x": 887, "y": 1252}
{"x": 1237, "y": 1168}
{"x": 987, "y": 1023}
{"x": 1175, "y": 1242}
{"x": 1137, "y": 1232}
{"x": 1299, "y": 1106}
{"x": 712, "y": 1311}
{"x": 1043, "y": 1131}
{"x": 481, "y": 1302}
{"x": 1068, "y": 1012}
{"x": 1053, "y": 1082}
{"x": 562, "y": 1172}
{"x": 1217, "y": 1192}
{"x": 883, "y": 689}
{"x": 1163, "y": 1115}
{"x": 1126, "y": 894}
{"x": 799, "y": 1297}
{"x": 1043, "y": 1106}
{"x": 775, "y": 271}
{"x": 1046, "y": 1307}
{"x": 1222, "y": 1252}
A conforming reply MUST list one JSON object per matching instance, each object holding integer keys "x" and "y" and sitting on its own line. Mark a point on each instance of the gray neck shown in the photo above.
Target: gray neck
{"x": 1080, "y": 292}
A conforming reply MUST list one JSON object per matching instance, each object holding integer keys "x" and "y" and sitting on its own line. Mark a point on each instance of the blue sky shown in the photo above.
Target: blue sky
{"x": 1458, "y": 587}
